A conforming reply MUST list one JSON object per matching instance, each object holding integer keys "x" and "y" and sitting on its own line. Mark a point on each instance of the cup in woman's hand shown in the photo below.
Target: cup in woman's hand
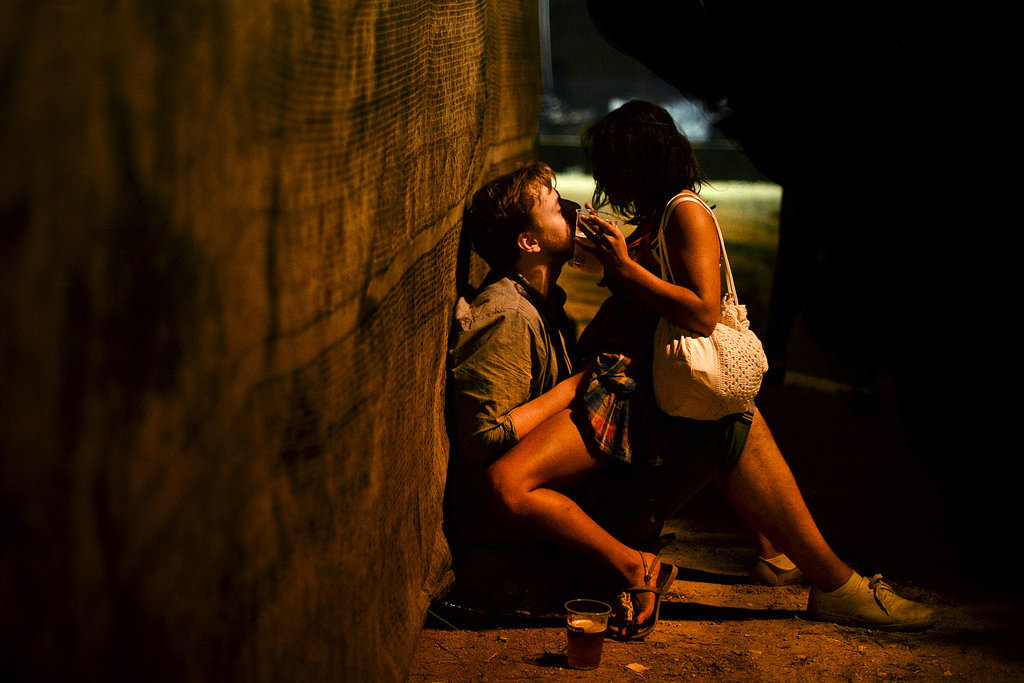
{"x": 581, "y": 259}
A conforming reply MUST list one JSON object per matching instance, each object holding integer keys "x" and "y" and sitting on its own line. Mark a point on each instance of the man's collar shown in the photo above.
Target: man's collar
{"x": 555, "y": 298}
{"x": 552, "y": 309}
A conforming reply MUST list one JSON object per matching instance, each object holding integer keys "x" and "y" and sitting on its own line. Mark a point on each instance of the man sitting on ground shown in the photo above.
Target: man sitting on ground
{"x": 511, "y": 367}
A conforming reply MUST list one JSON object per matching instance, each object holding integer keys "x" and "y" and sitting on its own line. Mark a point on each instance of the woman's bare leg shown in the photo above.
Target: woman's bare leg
{"x": 525, "y": 485}
{"x": 762, "y": 488}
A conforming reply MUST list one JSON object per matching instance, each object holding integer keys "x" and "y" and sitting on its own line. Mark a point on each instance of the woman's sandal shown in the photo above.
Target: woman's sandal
{"x": 666, "y": 575}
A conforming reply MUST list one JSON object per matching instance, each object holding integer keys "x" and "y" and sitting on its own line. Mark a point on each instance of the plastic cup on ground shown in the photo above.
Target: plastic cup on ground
{"x": 586, "y": 624}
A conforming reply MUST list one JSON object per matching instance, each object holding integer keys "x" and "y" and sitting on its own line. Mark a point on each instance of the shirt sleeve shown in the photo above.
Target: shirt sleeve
{"x": 490, "y": 367}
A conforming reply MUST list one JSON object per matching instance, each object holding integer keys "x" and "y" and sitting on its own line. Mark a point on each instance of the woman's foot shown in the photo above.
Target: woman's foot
{"x": 636, "y": 607}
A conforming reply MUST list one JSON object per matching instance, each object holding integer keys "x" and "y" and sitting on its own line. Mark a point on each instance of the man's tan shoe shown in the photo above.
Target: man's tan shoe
{"x": 777, "y": 571}
{"x": 868, "y": 603}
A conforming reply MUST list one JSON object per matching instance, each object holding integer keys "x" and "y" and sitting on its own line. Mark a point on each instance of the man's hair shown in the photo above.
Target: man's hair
{"x": 500, "y": 211}
{"x": 640, "y": 160}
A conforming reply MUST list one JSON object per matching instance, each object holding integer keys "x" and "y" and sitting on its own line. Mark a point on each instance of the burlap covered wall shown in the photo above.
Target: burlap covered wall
{"x": 229, "y": 245}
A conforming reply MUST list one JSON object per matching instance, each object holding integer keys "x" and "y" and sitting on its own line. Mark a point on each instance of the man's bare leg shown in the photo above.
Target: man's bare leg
{"x": 762, "y": 488}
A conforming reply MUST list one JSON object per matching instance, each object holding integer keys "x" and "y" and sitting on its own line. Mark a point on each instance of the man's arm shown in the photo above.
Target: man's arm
{"x": 527, "y": 416}
{"x": 490, "y": 365}
{"x": 491, "y": 385}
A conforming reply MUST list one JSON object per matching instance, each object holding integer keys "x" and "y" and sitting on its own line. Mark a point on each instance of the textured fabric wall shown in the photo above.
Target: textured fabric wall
{"x": 229, "y": 246}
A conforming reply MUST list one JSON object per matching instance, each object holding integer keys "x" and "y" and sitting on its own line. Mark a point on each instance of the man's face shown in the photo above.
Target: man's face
{"x": 554, "y": 223}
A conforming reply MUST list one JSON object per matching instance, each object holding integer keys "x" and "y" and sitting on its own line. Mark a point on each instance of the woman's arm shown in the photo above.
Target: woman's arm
{"x": 691, "y": 240}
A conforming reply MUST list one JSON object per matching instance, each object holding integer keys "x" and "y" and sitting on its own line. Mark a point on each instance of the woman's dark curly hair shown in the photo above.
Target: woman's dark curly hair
{"x": 639, "y": 160}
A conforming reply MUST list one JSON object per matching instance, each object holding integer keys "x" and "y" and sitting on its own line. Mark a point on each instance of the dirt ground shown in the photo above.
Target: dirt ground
{"x": 877, "y": 507}
{"x": 716, "y": 630}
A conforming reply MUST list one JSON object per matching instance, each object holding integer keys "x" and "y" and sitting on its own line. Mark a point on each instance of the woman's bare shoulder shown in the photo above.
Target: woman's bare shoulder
{"x": 690, "y": 215}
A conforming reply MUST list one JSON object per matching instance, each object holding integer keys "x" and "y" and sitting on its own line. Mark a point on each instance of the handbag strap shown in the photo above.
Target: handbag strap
{"x": 661, "y": 251}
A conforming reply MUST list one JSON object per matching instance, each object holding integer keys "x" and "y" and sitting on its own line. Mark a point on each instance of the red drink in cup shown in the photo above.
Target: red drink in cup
{"x": 586, "y": 623}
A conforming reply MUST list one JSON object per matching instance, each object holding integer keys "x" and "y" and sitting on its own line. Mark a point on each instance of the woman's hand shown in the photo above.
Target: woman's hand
{"x": 604, "y": 240}
{"x": 693, "y": 299}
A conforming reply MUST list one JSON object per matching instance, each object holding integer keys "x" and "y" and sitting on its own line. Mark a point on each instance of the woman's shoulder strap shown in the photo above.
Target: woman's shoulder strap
{"x": 689, "y": 196}
{"x": 685, "y": 196}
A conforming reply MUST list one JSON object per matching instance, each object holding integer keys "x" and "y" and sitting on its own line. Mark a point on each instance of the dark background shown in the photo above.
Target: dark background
{"x": 886, "y": 128}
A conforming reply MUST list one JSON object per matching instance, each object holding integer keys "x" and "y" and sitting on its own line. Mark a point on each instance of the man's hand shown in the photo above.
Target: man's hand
{"x": 527, "y": 416}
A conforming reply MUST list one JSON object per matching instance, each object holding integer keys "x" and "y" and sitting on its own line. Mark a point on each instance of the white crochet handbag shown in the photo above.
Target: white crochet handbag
{"x": 706, "y": 378}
